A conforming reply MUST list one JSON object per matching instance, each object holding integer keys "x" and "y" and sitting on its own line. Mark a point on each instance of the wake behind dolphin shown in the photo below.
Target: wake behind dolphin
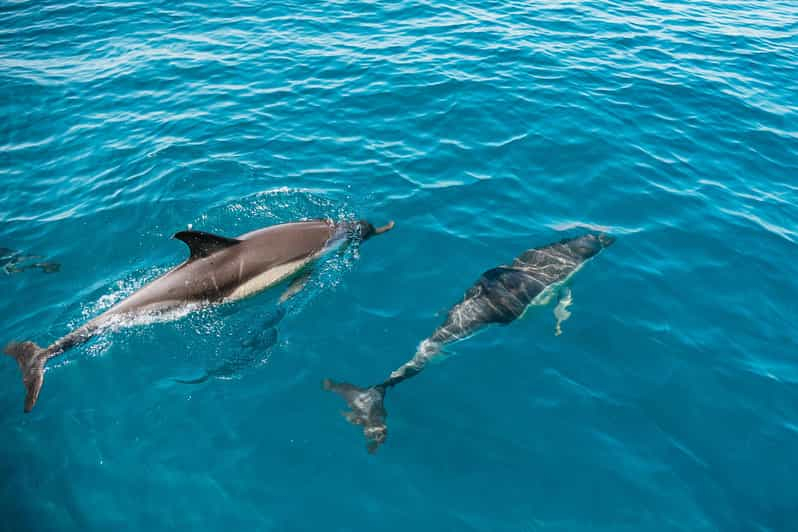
{"x": 501, "y": 295}
{"x": 219, "y": 269}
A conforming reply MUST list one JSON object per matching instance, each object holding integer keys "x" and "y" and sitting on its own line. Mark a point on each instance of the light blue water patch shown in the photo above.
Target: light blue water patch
{"x": 670, "y": 401}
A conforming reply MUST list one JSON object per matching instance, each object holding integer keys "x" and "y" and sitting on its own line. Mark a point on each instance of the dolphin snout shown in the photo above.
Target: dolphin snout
{"x": 606, "y": 240}
{"x": 385, "y": 228}
{"x": 367, "y": 230}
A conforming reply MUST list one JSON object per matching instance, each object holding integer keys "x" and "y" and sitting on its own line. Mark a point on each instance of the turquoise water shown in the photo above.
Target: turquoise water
{"x": 670, "y": 401}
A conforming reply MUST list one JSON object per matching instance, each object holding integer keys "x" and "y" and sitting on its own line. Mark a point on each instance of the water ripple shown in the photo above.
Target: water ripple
{"x": 483, "y": 128}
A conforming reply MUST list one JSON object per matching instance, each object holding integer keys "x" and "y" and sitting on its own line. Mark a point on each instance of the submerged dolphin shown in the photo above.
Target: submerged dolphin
{"x": 15, "y": 262}
{"x": 501, "y": 295}
{"x": 218, "y": 269}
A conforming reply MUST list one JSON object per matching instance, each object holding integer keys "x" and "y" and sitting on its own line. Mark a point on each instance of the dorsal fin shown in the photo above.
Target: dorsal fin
{"x": 202, "y": 244}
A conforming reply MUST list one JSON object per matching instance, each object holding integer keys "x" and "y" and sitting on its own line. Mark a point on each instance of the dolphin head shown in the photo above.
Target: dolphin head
{"x": 591, "y": 244}
{"x": 367, "y": 230}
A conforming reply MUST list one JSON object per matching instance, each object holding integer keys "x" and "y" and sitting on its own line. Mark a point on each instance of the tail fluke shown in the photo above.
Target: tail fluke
{"x": 366, "y": 409}
{"x": 31, "y": 360}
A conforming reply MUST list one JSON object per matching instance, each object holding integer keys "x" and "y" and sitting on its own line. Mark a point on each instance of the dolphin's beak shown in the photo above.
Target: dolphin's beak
{"x": 385, "y": 228}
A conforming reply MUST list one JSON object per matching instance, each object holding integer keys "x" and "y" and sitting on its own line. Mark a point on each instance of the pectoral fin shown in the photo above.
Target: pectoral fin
{"x": 561, "y": 312}
{"x": 297, "y": 284}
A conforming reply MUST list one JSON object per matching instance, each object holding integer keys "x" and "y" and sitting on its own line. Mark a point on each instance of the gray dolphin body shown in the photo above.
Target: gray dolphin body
{"x": 500, "y": 296}
{"x": 218, "y": 269}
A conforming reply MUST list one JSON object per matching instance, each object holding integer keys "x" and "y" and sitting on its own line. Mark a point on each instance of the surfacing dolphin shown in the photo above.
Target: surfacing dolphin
{"x": 501, "y": 295}
{"x": 219, "y": 269}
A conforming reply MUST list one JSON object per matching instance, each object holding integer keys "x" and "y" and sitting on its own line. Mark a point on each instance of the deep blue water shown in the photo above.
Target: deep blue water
{"x": 670, "y": 402}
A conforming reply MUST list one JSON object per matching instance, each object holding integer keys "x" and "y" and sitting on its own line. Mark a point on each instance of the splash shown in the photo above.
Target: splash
{"x": 120, "y": 290}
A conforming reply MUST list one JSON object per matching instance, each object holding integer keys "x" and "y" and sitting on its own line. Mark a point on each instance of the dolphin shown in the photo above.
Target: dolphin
{"x": 12, "y": 261}
{"x": 218, "y": 269}
{"x": 500, "y": 296}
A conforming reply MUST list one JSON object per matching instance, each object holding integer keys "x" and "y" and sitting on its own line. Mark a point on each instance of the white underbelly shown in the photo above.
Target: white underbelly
{"x": 267, "y": 279}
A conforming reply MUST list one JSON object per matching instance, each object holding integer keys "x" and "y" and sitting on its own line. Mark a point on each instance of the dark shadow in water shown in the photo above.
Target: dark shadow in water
{"x": 253, "y": 349}
{"x": 12, "y": 261}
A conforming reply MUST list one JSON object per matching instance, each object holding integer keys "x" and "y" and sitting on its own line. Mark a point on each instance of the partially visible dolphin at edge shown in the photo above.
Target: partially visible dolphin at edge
{"x": 219, "y": 269}
{"x": 500, "y": 296}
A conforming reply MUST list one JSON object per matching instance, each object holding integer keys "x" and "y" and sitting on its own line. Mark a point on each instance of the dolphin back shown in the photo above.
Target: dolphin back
{"x": 565, "y": 254}
{"x": 502, "y": 294}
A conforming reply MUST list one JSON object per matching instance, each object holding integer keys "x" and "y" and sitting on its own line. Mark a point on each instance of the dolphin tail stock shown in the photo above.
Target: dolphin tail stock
{"x": 367, "y": 409}
{"x": 31, "y": 360}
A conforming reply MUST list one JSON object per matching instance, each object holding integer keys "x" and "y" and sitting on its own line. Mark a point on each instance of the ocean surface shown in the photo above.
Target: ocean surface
{"x": 670, "y": 401}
